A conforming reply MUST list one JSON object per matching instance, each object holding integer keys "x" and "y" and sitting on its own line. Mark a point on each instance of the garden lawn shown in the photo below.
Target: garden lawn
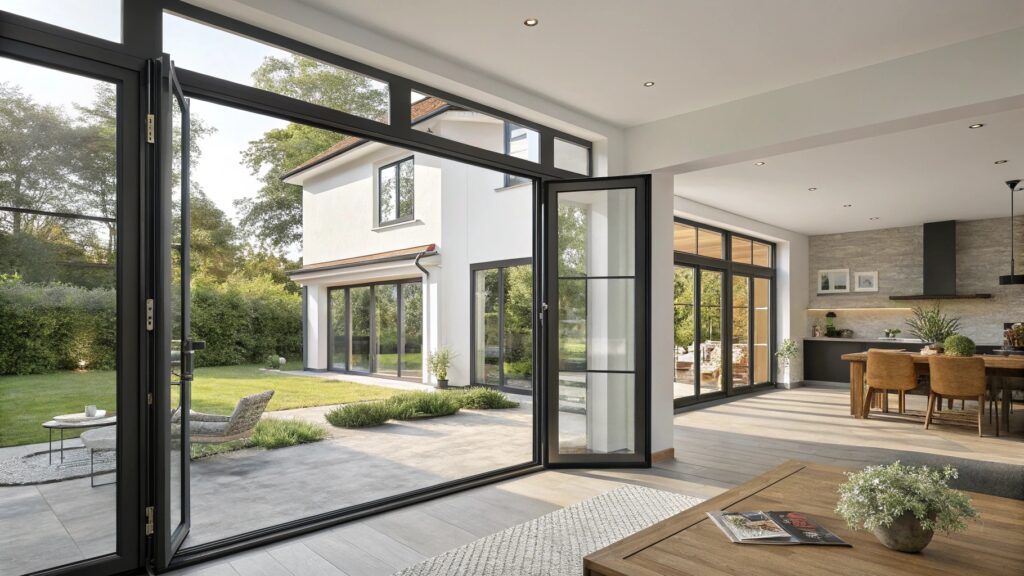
{"x": 28, "y": 401}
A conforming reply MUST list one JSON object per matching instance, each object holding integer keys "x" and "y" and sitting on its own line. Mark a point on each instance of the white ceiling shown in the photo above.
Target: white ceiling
{"x": 939, "y": 172}
{"x": 593, "y": 56}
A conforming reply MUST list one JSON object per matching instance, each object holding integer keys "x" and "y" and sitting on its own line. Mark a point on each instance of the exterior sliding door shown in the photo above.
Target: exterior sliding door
{"x": 595, "y": 318}
{"x": 723, "y": 312}
{"x": 377, "y": 329}
{"x": 502, "y": 325}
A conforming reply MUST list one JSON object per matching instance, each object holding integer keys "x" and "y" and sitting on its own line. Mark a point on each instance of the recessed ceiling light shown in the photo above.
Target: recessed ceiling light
{"x": 973, "y": 126}
{"x": 758, "y": 163}
{"x": 1001, "y": 161}
{"x": 812, "y": 189}
{"x": 531, "y": 22}
{"x": 873, "y": 218}
{"x": 648, "y": 84}
{"x": 847, "y": 205}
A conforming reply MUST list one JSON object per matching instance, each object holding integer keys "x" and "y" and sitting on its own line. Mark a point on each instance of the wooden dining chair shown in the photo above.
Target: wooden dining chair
{"x": 957, "y": 378}
{"x": 888, "y": 372}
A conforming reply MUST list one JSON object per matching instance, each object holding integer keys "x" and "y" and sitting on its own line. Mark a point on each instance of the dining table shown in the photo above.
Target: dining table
{"x": 1006, "y": 373}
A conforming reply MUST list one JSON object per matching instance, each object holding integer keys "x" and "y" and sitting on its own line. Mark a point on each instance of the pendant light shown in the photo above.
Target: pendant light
{"x": 1012, "y": 277}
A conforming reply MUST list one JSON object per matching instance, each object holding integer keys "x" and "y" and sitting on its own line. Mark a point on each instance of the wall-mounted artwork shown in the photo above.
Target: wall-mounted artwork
{"x": 833, "y": 281}
{"x": 865, "y": 281}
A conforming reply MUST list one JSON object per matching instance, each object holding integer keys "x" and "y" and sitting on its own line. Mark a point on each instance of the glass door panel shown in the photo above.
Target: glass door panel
{"x": 339, "y": 328}
{"x": 362, "y": 311}
{"x": 710, "y": 336}
{"x": 740, "y": 351}
{"x": 762, "y": 331}
{"x": 412, "y": 330}
{"x": 686, "y": 360}
{"x": 486, "y": 315}
{"x": 517, "y": 326}
{"x": 597, "y": 411}
{"x": 386, "y": 300}
{"x": 69, "y": 423}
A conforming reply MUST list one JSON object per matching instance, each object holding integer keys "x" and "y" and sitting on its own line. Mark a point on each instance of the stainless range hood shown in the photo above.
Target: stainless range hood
{"x": 939, "y": 265}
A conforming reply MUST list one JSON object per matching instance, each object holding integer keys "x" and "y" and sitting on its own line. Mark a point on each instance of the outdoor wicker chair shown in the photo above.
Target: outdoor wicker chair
{"x": 214, "y": 429}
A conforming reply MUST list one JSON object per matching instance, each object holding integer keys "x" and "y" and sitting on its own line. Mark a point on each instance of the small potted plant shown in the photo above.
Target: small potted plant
{"x": 957, "y": 345}
{"x": 932, "y": 326}
{"x": 904, "y": 505}
{"x": 1014, "y": 336}
{"x": 438, "y": 363}
{"x": 787, "y": 351}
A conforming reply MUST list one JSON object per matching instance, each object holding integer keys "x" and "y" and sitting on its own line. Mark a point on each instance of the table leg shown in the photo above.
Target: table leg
{"x": 49, "y": 446}
{"x": 1005, "y": 408}
{"x": 61, "y": 445}
{"x": 856, "y": 389}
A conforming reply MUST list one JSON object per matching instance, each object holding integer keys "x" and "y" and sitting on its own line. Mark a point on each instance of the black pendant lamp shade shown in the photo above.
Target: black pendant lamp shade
{"x": 1012, "y": 277}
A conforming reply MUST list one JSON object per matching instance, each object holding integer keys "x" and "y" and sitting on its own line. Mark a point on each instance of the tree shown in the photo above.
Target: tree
{"x": 274, "y": 216}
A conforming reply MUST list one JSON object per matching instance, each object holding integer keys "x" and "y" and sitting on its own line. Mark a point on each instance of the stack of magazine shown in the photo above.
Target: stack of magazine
{"x": 773, "y": 528}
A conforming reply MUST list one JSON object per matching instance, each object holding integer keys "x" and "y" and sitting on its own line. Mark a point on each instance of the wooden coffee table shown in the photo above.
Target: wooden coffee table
{"x": 690, "y": 544}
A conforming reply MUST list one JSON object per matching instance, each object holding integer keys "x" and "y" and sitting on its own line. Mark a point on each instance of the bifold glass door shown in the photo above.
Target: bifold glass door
{"x": 70, "y": 314}
{"x": 594, "y": 314}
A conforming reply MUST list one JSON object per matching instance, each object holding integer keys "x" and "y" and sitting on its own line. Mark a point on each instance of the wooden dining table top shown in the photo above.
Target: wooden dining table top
{"x": 689, "y": 544}
{"x": 991, "y": 360}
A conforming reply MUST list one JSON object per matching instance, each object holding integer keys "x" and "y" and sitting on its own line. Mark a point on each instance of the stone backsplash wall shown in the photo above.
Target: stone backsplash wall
{"x": 983, "y": 254}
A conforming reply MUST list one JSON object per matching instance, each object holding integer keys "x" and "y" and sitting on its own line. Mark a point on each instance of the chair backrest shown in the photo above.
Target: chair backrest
{"x": 891, "y": 370}
{"x": 248, "y": 412}
{"x": 957, "y": 376}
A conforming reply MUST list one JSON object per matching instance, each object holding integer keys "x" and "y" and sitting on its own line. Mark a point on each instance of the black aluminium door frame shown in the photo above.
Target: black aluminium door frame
{"x": 548, "y": 320}
{"x": 28, "y": 46}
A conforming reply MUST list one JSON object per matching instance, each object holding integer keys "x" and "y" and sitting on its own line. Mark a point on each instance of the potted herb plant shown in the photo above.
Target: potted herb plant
{"x": 438, "y": 363}
{"x": 903, "y": 506}
{"x": 957, "y": 345}
{"x": 932, "y": 326}
{"x": 787, "y": 351}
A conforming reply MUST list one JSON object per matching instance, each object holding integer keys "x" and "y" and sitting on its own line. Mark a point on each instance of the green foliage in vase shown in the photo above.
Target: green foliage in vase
{"x": 931, "y": 324}
{"x": 878, "y": 495}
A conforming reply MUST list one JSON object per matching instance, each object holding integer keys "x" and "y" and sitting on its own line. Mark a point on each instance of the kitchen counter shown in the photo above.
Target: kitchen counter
{"x": 823, "y": 356}
{"x": 859, "y": 339}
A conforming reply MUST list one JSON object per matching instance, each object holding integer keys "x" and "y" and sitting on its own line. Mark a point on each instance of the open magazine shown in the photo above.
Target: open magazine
{"x": 773, "y": 528}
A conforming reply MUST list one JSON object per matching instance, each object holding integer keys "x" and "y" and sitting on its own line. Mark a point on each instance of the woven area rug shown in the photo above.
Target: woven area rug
{"x": 555, "y": 544}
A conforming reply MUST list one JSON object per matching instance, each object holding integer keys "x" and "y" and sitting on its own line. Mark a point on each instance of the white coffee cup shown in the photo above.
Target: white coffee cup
{"x": 90, "y": 410}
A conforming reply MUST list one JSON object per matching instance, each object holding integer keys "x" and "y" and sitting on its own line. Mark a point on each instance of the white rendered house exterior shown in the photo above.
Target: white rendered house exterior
{"x": 462, "y": 217}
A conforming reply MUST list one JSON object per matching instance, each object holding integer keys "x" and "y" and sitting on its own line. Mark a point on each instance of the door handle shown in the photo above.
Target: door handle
{"x": 543, "y": 309}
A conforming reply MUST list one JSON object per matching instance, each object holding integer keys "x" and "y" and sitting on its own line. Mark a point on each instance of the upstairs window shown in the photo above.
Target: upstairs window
{"x": 396, "y": 192}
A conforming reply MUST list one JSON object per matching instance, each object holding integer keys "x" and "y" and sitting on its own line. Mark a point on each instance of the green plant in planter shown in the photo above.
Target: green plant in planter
{"x": 931, "y": 325}
{"x": 915, "y": 499}
{"x": 439, "y": 361}
{"x": 957, "y": 345}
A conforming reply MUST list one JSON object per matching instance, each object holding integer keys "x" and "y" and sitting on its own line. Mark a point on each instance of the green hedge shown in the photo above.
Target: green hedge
{"x": 44, "y": 328}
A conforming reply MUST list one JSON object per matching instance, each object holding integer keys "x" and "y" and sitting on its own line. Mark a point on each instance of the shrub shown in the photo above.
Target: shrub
{"x": 479, "y": 398}
{"x": 278, "y": 433}
{"x": 957, "y": 345}
{"x": 360, "y": 415}
{"x": 439, "y": 361}
{"x": 410, "y": 405}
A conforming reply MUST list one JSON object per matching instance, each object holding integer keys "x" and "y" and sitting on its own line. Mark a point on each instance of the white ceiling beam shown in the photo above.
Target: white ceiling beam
{"x": 975, "y": 77}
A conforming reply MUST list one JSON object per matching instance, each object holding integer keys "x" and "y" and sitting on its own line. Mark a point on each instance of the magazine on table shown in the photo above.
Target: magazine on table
{"x": 773, "y": 528}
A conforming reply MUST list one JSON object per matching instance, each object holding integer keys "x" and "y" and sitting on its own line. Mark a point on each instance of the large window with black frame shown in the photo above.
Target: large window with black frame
{"x": 724, "y": 312}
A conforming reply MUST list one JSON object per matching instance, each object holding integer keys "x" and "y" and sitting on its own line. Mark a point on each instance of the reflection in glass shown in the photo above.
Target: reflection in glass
{"x": 572, "y": 325}
{"x": 59, "y": 310}
{"x": 518, "y": 323}
{"x": 572, "y": 157}
{"x": 596, "y": 413}
{"x": 412, "y": 330}
{"x": 487, "y": 346}
{"x": 339, "y": 329}
{"x": 610, "y": 324}
{"x": 684, "y": 238}
{"x": 100, "y": 18}
{"x": 359, "y": 299}
{"x": 741, "y": 250}
{"x": 684, "y": 321}
{"x": 709, "y": 243}
{"x": 762, "y": 254}
{"x": 740, "y": 330}
{"x": 596, "y": 233}
{"x": 386, "y": 303}
{"x": 762, "y": 330}
{"x": 711, "y": 303}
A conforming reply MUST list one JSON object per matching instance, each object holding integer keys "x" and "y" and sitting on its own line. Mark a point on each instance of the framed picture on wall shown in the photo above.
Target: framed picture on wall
{"x": 833, "y": 281}
{"x": 865, "y": 281}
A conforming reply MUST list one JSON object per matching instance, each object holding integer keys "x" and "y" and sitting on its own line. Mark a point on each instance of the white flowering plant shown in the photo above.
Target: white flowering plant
{"x": 878, "y": 495}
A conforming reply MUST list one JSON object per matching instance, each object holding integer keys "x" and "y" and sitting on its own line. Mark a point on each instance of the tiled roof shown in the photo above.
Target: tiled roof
{"x": 419, "y": 111}
{"x": 389, "y": 256}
